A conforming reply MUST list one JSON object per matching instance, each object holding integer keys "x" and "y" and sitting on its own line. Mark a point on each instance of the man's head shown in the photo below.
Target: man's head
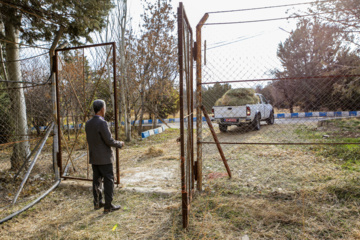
{"x": 99, "y": 107}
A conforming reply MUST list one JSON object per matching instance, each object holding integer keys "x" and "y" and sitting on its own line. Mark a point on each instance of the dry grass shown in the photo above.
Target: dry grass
{"x": 154, "y": 152}
{"x": 287, "y": 110}
{"x": 277, "y": 192}
{"x": 68, "y": 214}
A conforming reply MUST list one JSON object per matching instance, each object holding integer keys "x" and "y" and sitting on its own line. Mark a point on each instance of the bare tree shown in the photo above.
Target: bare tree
{"x": 18, "y": 106}
{"x": 116, "y": 29}
{"x": 157, "y": 60}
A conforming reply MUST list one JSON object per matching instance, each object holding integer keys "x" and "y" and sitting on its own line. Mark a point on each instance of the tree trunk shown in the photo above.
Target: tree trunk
{"x": 3, "y": 68}
{"x": 141, "y": 109}
{"x": 18, "y": 107}
{"x": 74, "y": 123}
{"x": 127, "y": 117}
{"x": 67, "y": 124}
{"x": 120, "y": 114}
{"x": 136, "y": 114}
{"x": 37, "y": 127}
{"x": 124, "y": 100}
{"x": 108, "y": 48}
{"x": 154, "y": 117}
{"x": 110, "y": 84}
{"x": 128, "y": 134}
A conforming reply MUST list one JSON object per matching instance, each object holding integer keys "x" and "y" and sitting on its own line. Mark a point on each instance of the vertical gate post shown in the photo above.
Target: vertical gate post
{"x": 199, "y": 102}
{"x": 182, "y": 147}
{"x": 59, "y": 157}
{"x": 53, "y": 99}
{"x": 116, "y": 115}
{"x": 53, "y": 69}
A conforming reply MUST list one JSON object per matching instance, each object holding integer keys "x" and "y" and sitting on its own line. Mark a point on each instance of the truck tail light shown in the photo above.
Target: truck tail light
{"x": 248, "y": 111}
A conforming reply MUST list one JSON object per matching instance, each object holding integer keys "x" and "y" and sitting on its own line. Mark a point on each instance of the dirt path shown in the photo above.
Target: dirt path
{"x": 152, "y": 169}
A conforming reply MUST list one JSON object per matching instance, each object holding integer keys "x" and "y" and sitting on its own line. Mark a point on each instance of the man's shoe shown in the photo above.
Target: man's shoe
{"x": 112, "y": 208}
{"x": 99, "y": 205}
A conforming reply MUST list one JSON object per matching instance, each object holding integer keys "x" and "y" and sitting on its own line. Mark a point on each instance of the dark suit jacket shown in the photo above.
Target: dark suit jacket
{"x": 100, "y": 141}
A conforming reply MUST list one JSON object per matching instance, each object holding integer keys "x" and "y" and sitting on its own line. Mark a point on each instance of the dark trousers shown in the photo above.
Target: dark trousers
{"x": 105, "y": 172}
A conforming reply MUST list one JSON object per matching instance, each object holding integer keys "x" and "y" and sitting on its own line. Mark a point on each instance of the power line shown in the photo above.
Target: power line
{"x": 24, "y": 87}
{"x": 268, "y": 7}
{"x": 32, "y": 46}
{"x": 24, "y": 82}
{"x": 33, "y": 84}
{"x": 228, "y": 43}
{"x": 24, "y": 59}
{"x": 266, "y": 20}
{"x": 284, "y": 79}
{"x": 25, "y": 47}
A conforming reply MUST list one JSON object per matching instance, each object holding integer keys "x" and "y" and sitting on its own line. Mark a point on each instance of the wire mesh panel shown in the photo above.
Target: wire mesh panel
{"x": 260, "y": 89}
{"x": 26, "y": 166}
{"x": 186, "y": 111}
{"x": 285, "y": 108}
{"x": 84, "y": 74}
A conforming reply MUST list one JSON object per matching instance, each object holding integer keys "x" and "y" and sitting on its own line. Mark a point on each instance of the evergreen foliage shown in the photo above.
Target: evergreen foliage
{"x": 40, "y": 19}
{"x": 213, "y": 93}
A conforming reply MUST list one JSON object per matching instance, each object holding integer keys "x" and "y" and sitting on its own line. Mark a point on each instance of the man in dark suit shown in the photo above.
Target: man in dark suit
{"x": 100, "y": 142}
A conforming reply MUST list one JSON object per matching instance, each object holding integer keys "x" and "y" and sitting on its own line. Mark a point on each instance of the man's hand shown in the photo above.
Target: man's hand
{"x": 122, "y": 143}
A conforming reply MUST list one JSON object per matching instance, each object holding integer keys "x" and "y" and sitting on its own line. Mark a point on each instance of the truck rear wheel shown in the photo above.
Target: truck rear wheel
{"x": 256, "y": 122}
{"x": 271, "y": 119}
{"x": 223, "y": 128}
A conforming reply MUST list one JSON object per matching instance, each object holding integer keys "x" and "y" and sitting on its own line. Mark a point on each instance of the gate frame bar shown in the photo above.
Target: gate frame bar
{"x": 113, "y": 44}
{"x": 197, "y": 51}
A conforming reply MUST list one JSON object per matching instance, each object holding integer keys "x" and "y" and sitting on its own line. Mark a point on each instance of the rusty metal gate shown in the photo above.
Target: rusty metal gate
{"x": 83, "y": 74}
{"x": 185, "y": 47}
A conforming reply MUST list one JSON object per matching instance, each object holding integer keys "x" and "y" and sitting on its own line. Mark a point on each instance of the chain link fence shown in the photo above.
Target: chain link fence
{"x": 26, "y": 167}
{"x": 26, "y": 164}
{"x": 286, "y": 115}
{"x": 258, "y": 91}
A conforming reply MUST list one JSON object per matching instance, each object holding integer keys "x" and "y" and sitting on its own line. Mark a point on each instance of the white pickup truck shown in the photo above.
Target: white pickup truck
{"x": 250, "y": 114}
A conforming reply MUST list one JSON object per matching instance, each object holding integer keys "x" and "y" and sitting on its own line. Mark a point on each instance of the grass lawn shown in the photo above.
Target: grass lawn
{"x": 277, "y": 192}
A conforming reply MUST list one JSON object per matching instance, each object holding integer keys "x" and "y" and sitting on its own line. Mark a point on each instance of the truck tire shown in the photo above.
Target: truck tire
{"x": 271, "y": 119}
{"x": 256, "y": 122}
{"x": 223, "y": 128}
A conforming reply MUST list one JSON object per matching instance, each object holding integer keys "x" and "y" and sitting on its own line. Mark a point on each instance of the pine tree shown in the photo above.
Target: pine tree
{"x": 213, "y": 93}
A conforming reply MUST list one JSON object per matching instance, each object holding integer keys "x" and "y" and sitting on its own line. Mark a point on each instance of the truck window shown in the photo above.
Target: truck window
{"x": 261, "y": 99}
{"x": 264, "y": 99}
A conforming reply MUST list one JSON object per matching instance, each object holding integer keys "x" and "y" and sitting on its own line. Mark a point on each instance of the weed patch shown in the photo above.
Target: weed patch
{"x": 336, "y": 131}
